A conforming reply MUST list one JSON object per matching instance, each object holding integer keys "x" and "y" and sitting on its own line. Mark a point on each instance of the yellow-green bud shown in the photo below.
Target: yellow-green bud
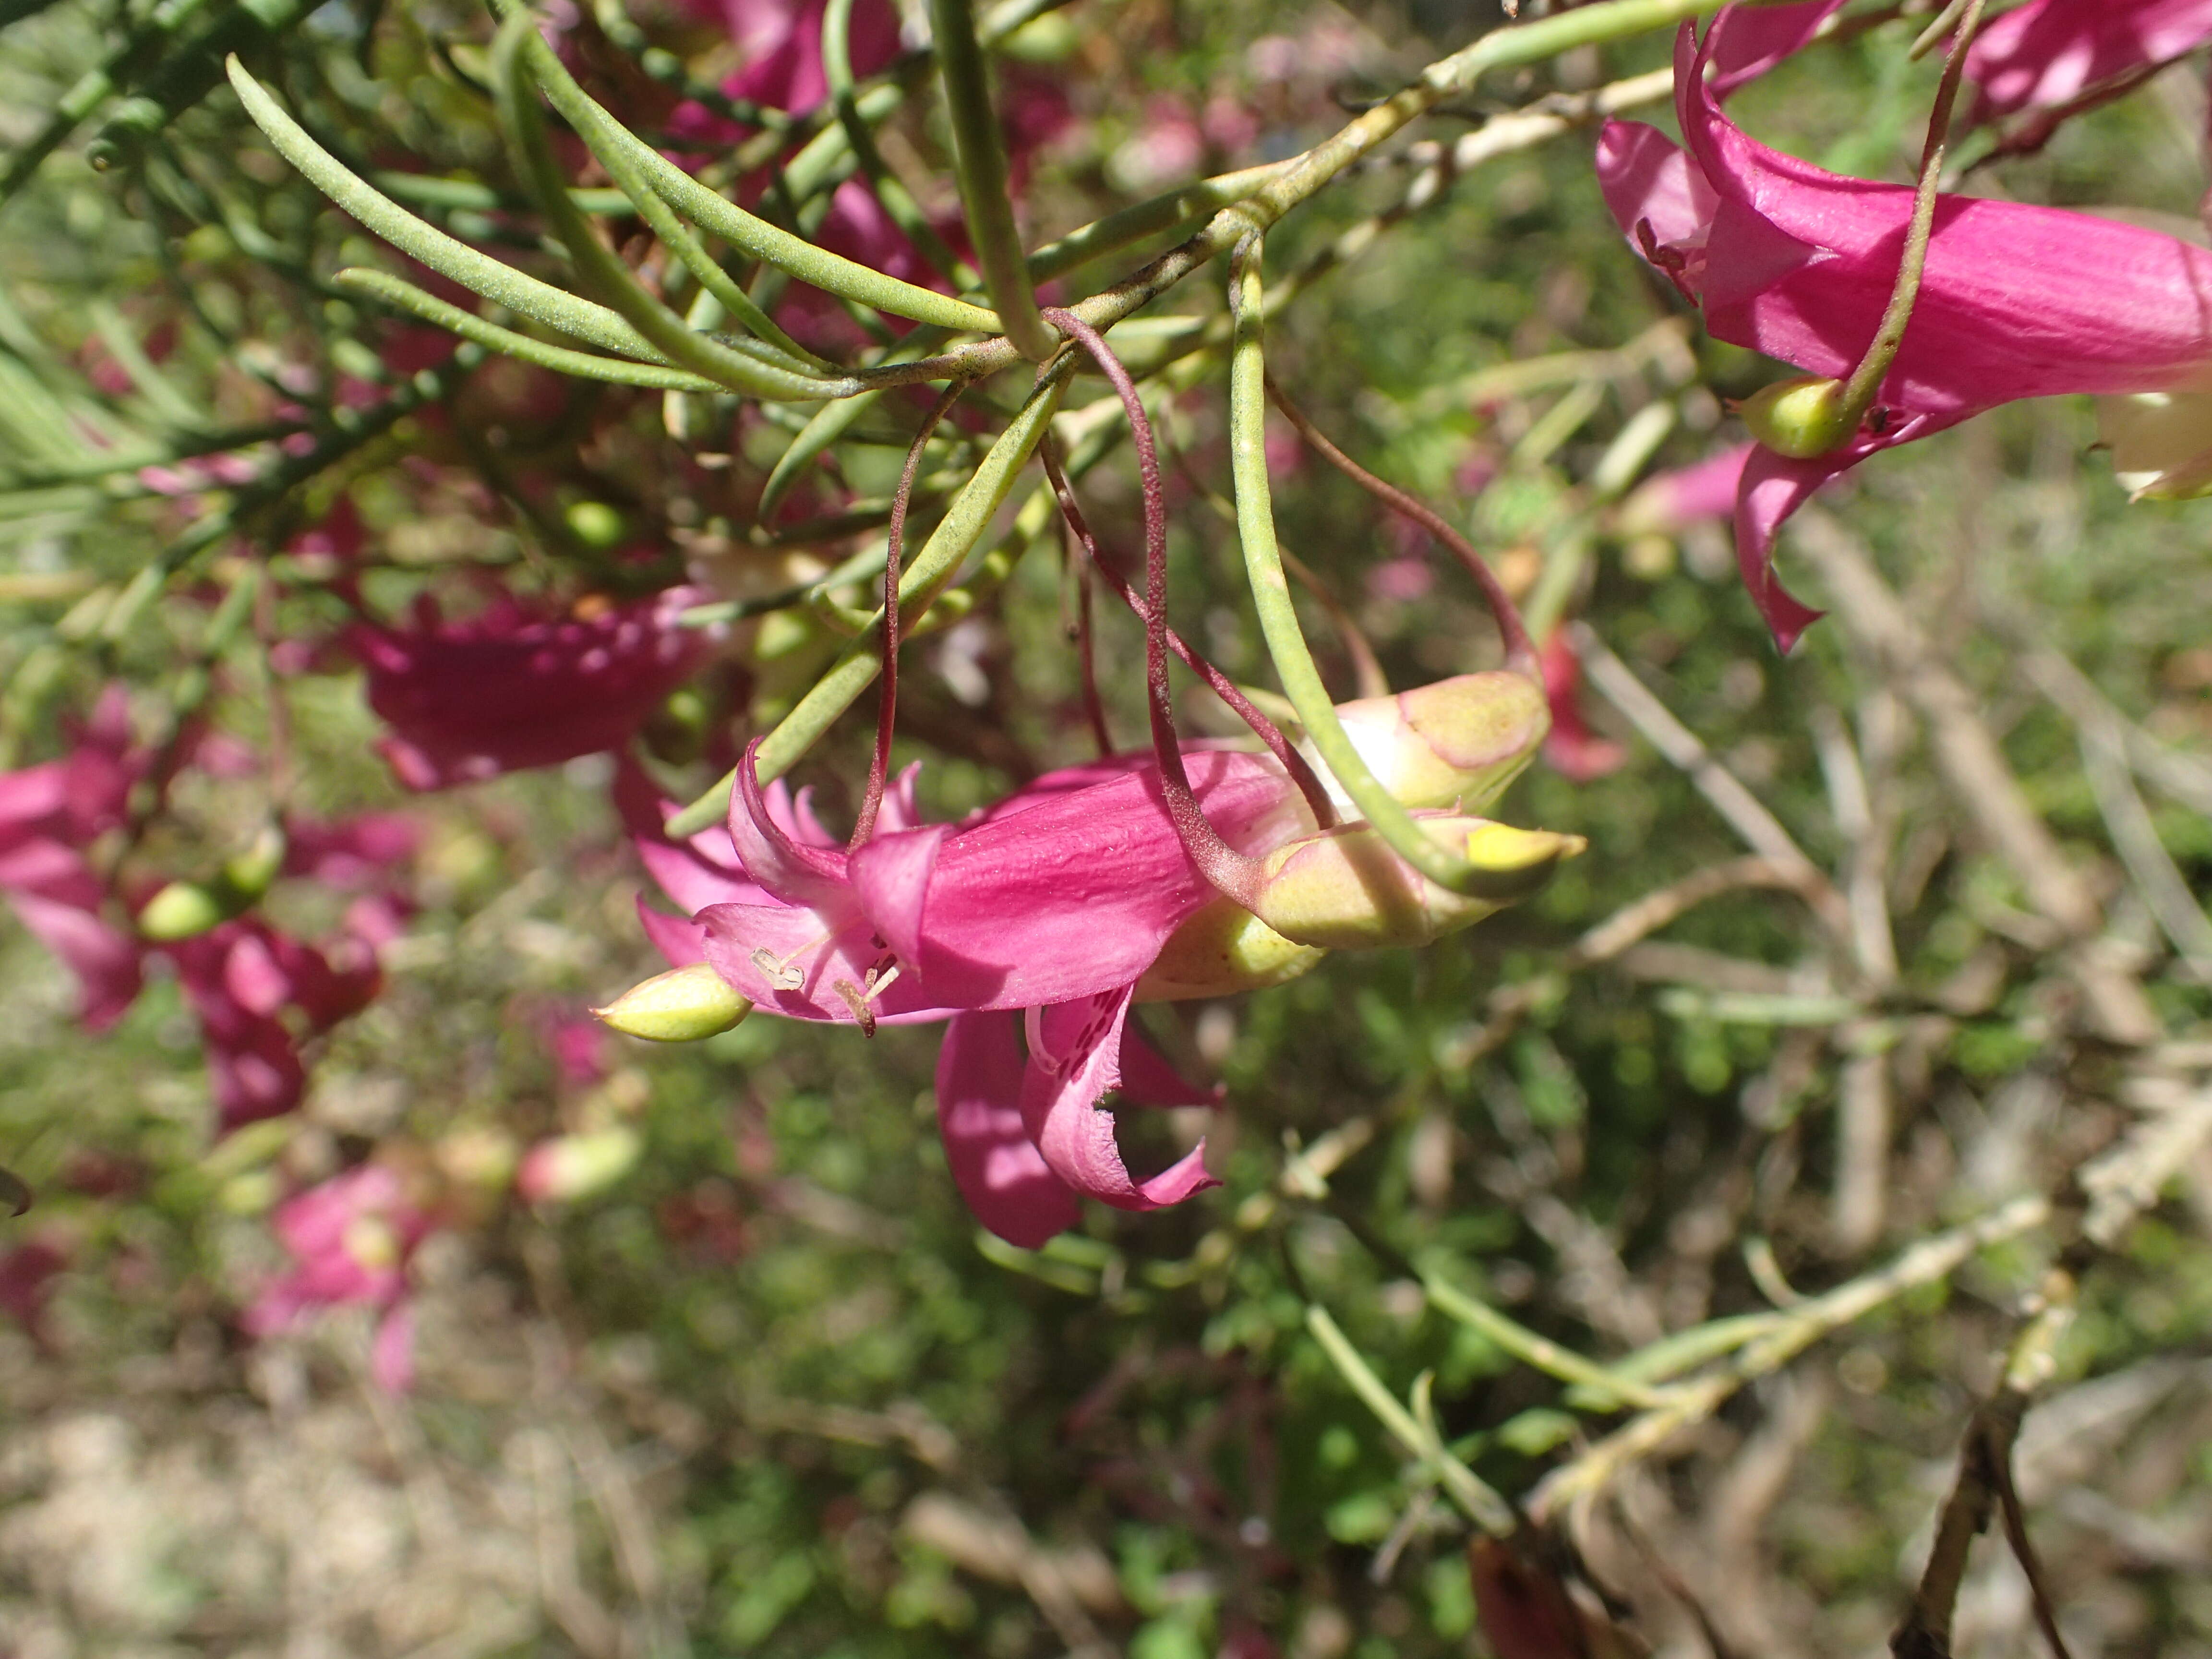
{"x": 595, "y": 524}
{"x": 681, "y": 1006}
{"x": 576, "y": 1166}
{"x": 1345, "y": 889}
{"x": 1800, "y": 418}
{"x": 1456, "y": 742}
{"x": 1221, "y": 951}
{"x": 185, "y": 909}
{"x": 248, "y": 875}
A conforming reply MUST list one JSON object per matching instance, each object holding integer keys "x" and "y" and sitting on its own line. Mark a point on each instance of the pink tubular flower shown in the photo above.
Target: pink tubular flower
{"x": 2059, "y": 56}
{"x": 1042, "y": 919}
{"x": 1669, "y": 501}
{"x": 350, "y": 1239}
{"x": 49, "y": 815}
{"x": 1798, "y": 263}
{"x": 253, "y": 988}
{"x": 1572, "y": 748}
{"x": 511, "y": 690}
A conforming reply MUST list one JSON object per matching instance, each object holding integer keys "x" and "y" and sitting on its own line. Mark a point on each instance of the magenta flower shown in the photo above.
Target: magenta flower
{"x": 2060, "y": 56}
{"x": 1669, "y": 501}
{"x": 256, "y": 991}
{"x": 1572, "y": 747}
{"x": 1043, "y": 918}
{"x": 1798, "y": 263}
{"x": 350, "y": 1239}
{"x": 515, "y": 688}
{"x": 49, "y": 816}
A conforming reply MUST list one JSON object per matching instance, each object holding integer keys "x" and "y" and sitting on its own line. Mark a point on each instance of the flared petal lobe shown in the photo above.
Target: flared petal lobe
{"x": 1763, "y": 37}
{"x": 1074, "y": 1062}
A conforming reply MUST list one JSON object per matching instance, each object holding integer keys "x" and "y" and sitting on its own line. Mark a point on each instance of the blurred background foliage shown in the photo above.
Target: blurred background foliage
{"x": 766, "y": 1389}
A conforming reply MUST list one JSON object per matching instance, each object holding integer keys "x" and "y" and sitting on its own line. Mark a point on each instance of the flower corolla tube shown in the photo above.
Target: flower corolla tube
{"x": 1799, "y": 263}
{"x": 1034, "y": 925}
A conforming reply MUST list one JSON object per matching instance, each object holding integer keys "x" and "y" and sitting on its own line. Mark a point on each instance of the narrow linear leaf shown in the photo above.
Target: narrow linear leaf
{"x": 524, "y": 123}
{"x": 479, "y": 273}
{"x": 718, "y": 216}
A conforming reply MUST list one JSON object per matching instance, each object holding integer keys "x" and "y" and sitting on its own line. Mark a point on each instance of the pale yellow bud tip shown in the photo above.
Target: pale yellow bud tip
{"x": 1502, "y": 848}
{"x": 681, "y": 1006}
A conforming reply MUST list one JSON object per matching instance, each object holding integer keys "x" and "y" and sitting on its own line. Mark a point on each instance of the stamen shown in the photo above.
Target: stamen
{"x": 878, "y": 982}
{"x": 857, "y": 1000}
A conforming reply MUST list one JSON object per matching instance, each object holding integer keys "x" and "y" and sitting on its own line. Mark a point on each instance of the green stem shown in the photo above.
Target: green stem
{"x": 956, "y": 535}
{"x": 630, "y": 179}
{"x": 980, "y": 162}
{"x": 1271, "y": 594}
{"x": 462, "y": 195}
{"x": 825, "y": 428}
{"x": 622, "y": 371}
{"x": 1542, "y": 1353}
{"x": 1476, "y": 1497}
{"x": 1178, "y": 207}
{"x": 718, "y": 217}
{"x": 524, "y": 124}
{"x": 1866, "y": 379}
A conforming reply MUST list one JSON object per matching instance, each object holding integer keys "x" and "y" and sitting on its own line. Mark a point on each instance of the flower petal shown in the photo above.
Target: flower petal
{"x": 899, "y": 867}
{"x": 998, "y": 1168}
{"x": 1075, "y": 1060}
{"x": 1648, "y": 179}
{"x": 816, "y": 949}
{"x": 2049, "y": 51}
{"x": 105, "y": 961}
{"x": 1774, "y": 486}
{"x": 680, "y": 939}
{"x": 391, "y": 1352}
{"x": 1762, "y": 37}
{"x": 790, "y": 869}
{"x": 1072, "y": 895}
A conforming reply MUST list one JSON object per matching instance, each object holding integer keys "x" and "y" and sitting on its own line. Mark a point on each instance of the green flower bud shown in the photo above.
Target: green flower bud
{"x": 248, "y": 875}
{"x": 681, "y": 1006}
{"x": 1221, "y": 951}
{"x": 1345, "y": 888}
{"x": 576, "y": 1166}
{"x": 185, "y": 909}
{"x": 1800, "y": 418}
{"x": 1456, "y": 742}
{"x": 596, "y": 524}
